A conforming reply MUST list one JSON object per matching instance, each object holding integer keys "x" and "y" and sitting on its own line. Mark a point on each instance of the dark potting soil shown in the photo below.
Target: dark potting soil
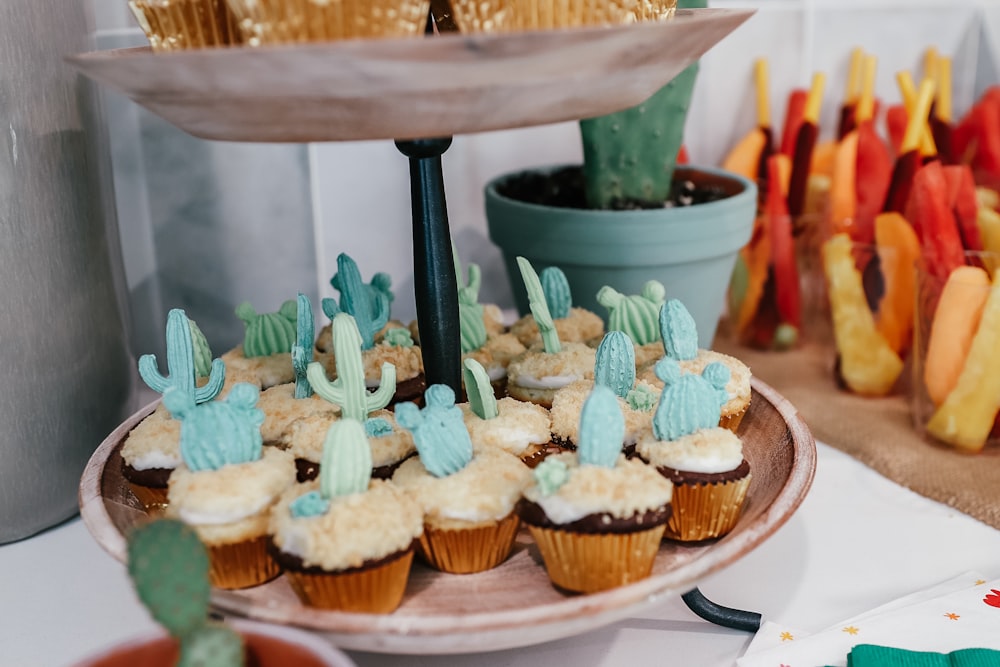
{"x": 564, "y": 188}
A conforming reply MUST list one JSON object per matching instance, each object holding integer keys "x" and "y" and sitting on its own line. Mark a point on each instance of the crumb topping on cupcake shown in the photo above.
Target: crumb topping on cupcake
{"x": 407, "y": 361}
{"x": 355, "y": 528}
{"x": 517, "y": 427}
{"x": 537, "y": 369}
{"x": 568, "y": 403}
{"x": 497, "y": 354}
{"x": 155, "y": 442}
{"x": 282, "y": 412}
{"x": 580, "y": 326}
{"x": 267, "y": 370}
{"x": 711, "y": 450}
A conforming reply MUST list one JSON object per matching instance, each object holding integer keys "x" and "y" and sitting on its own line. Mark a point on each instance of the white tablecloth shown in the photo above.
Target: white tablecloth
{"x": 857, "y": 541}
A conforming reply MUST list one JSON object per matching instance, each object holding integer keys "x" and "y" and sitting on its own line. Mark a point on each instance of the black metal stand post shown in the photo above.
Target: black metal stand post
{"x": 748, "y": 621}
{"x": 436, "y": 286}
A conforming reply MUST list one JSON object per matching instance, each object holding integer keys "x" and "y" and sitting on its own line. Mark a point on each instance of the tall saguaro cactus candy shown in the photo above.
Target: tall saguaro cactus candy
{"x": 631, "y": 155}
{"x": 439, "y": 431}
{"x": 345, "y": 469}
{"x": 689, "y": 402}
{"x": 267, "y": 333}
{"x": 168, "y": 565}
{"x": 302, "y": 351}
{"x": 369, "y": 304}
{"x": 181, "y": 364}
{"x": 470, "y": 312}
{"x": 636, "y": 314}
{"x": 539, "y": 306}
{"x": 349, "y": 390}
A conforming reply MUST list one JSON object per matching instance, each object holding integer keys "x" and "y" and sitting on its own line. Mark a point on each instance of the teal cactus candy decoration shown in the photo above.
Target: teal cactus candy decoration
{"x": 268, "y": 333}
{"x": 636, "y": 314}
{"x": 615, "y": 365}
{"x": 557, "y": 292}
{"x": 349, "y": 390}
{"x": 602, "y": 429}
{"x": 302, "y": 351}
{"x": 689, "y": 402}
{"x": 218, "y": 433}
{"x": 439, "y": 431}
{"x": 181, "y": 364}
{"x": 679, "y": 332}
{"x": 470, "y": 312}
{"x": 398, "y": 337}
{"x": 539, "y": 307}
{"x": 345, "y": 469}
{"x": 369, "y": 304}
{"x": 482, "y": 400}
{"x": 168, "y": 565}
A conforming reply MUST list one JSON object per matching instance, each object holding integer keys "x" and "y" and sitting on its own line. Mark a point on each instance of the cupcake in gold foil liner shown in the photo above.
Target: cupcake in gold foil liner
{"x": 467, "y": 550}
{"x": 706, "y": 511}
{"x": 732, "y": 420}
{"x": 588, "y": 563}
{"x": 176, "y": 25}
{"x": 376, "y": 589}
{"x": 153, "y": 499}
{"x": 514, "y": 15}
{"x": 297, "y": 21}
{"x": 241, "y": 564}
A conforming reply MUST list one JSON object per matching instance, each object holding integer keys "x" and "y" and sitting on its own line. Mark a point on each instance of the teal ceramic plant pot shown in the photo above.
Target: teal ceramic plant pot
{"x": 691, "y": 249}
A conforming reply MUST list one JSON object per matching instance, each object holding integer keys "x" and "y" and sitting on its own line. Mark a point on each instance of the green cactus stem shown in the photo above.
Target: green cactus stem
{"x": 181, "y": 364}
{"x": 679, "y": 331}
{"x": 557, "y": 292}
{"x": 637, "y": 314}
{"x": 615, "y": 364}
{"x": 539, "y": 307}
{"x": 268, "y": 333}
{"x": 302, "y": 351}
{"x": 470, "y": 312}
{"x": 219, "y": 433}
{"x": 369, "y": 304}
{"x": 439, "y": 431}
{"x": 482, "y": 400}
{"x": 689, "y": 402}
{"x": 602, "y": 429}
{"x": 348, "y": 391}
{"x": 631, "y": 155}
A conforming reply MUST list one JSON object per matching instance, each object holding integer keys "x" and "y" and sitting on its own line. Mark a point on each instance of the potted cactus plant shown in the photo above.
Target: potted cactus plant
{"x": 629, "y": 214}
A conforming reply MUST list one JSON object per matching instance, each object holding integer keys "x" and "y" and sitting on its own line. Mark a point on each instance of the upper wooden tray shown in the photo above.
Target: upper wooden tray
{"x": 513, "y": 604}
{"x": 410, "y": 88}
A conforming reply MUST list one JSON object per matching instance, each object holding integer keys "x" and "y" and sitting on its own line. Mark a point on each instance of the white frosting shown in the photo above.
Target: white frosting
{"x": 495, "y": 373}
{"x": 710, "y": 451}
{"x": 516, "y": 427}
{"x": 161, "y": 459}
{"x": 194, "y": 517}
{"x": 547, "y": 382}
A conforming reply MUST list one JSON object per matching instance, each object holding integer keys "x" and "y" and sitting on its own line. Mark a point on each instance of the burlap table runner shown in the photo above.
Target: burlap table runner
{"x": 878, "y": 431}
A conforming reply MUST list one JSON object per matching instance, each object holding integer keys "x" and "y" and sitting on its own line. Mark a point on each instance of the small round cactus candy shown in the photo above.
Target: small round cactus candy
{"x": 637, "y": 314}
{"x": 602, "y": 429}
{"x": 615, "y": 365}
{"x": 220, "y": 432}
{"x": 688, "y": 403}
{"x": 268, "y": 333}
{"x": 677, "y": 327}
{"x": 439, "y": 431}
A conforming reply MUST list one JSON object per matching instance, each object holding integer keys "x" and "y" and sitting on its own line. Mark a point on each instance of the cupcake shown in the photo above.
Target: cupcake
{"x": 467, "y": 496}
{"x": 572, "y": 324}
{"x": 638, "y": 315}
{"x": 152, "y": 449}
{"x": 596, "y": 516}
{"x": 296, "y": 21}
{"x": 346, "y": 541}
{"x": 704, "y": 461}
{"x": 227, "y": 483}
{"x": 521, "y": 429}
{"x": 266, "y": 351}
{"x": 680, "y": 342}
{"x": 614, "y": 368}
{"x": 175, "y": 25}
{"x": 544, "y": 368}
{"x": 473, "y": 16}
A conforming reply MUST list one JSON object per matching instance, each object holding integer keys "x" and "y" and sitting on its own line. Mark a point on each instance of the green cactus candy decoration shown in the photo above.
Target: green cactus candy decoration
{"x": 268, "y": 333}
{"x": 377, "y": 427}
{"x": 642, "y": 399}
{"x": 345, "y": 469}
{"x": 550, "y": 475}
{"x": 470, "y": 312}
{"x": 615, "y": 365}
{"x": 218, "y": 433}
{"x": 637, "y": 314}
{"x": 679, "y": 332}
{"x": 689, "y": 402}
{"x": 631, "y": 154}
{"x": 369, "y": 304}
{"x": 539, "y": 307}
{"x": 482, "y": 400}
{"x": 398, "y": 337}
{"x": 439, "y": 432}
{"x": 202, "y": 352}
{"x": 302, "y": 351}
{"x": 348, "y": 390}
{"x": 602, "y": 429}
{"x": 168, "y": 565}
{"x": 557, "y": 292}
{"x": 181, "y": 364}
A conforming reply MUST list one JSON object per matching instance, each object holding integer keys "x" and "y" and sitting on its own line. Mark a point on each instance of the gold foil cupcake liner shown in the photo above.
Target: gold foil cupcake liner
{"x": 374, "y": 590}
{"x": 175, "y": 25}
{"x": 468, "y": 550}
{"x": 509, "y": 15}
{"x": 241, "y": 564}
{"x": 732, "y": 420}
{"x": 153, "y": 499}
{"x": 587, "y": 563}
{"x": 294, "y": 21}
{"x": 706, "y": 511}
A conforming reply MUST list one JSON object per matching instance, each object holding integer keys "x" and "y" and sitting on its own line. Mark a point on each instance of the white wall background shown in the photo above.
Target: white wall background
{"x": 275, "y": 217}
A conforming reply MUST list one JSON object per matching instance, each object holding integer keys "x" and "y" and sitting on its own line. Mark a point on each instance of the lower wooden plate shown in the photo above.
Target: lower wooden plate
{"x": 513, "y": 604}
